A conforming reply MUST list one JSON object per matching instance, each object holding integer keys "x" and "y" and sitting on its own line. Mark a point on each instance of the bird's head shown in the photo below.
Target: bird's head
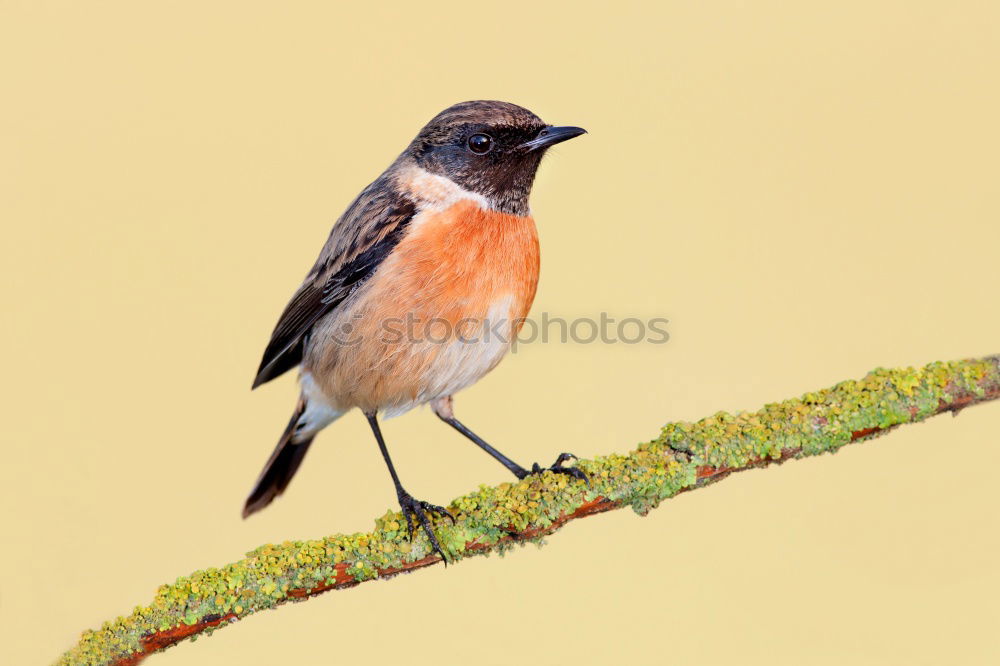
{"x": 490, "y": 148}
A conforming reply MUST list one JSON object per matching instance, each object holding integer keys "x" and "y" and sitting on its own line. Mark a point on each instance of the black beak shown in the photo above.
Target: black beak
{"x": 550, "y": 136}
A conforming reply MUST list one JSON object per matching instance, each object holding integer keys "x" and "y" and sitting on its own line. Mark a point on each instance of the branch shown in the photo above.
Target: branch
{"x": 684, "y": 456}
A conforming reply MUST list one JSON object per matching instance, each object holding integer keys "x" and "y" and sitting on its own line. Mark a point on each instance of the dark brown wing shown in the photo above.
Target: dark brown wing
{"x": 362, "y": 238}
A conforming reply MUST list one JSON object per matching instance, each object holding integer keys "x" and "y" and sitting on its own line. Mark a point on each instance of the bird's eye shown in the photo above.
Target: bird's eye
{"x": 480, "y": 143}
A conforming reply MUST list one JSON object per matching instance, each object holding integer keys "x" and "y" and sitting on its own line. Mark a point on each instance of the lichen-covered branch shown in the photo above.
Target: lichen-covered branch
{"x": 683, "y": 457}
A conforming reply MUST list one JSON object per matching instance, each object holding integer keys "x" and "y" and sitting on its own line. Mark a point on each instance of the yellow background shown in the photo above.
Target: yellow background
{"x": 805, "y": 191}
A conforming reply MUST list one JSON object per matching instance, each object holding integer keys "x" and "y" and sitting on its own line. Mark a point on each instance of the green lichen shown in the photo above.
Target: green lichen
{"x": 684, "y": 456}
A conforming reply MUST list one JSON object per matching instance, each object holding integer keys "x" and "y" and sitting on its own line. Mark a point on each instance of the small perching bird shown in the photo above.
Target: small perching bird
{"x": 419, "y": 291}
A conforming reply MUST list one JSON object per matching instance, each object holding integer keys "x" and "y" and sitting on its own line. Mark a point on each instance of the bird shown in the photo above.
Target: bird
{"x": 418, "y": 292}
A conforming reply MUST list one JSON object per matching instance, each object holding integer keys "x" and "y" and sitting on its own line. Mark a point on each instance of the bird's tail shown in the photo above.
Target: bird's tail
{"x": 287, "y": 456}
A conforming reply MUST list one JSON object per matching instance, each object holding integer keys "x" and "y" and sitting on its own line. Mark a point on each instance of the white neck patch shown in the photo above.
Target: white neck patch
{"x": 437, "y": 191}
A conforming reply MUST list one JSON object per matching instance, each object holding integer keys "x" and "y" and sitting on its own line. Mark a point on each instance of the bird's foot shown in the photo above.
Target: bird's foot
{"x": 685, "y": 454}
{"x": 416, "y": 508}
{"x": 557, "y": 468}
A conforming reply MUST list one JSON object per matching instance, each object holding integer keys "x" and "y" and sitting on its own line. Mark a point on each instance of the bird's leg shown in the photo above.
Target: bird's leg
{"x": 411, "y": 507}
{"x": 443, "y": 408}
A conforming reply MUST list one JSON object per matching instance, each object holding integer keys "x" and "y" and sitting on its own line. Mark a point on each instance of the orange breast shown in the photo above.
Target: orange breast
{"x": 456, "y": 263}
{"x": 456, "y": 272}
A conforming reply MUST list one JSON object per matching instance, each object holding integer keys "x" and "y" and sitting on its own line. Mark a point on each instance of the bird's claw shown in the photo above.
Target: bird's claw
{"x": 686, "y": 455}
{"x": 413, "y": 507}
{"x": 557, "y": 468}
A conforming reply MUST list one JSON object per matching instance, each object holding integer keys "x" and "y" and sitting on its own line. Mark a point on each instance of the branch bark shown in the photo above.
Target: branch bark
{"x": 684, "y": 456}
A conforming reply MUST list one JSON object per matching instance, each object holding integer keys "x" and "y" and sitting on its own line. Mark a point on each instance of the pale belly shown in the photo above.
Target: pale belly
{"x": 362, "y": 358}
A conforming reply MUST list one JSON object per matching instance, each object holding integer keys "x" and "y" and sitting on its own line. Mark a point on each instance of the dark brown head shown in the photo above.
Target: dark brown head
{"x": 491, "y": 148}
